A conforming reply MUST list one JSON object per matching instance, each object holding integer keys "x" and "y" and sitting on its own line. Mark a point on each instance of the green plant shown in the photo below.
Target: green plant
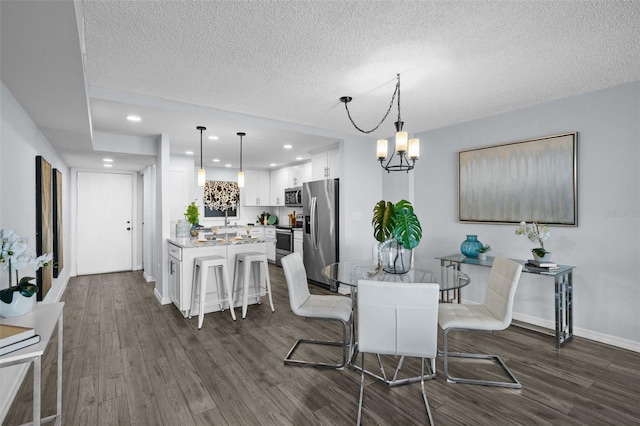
{"x": 484, "y": 249}
{"x": 25, "y": 288}
{"x": 397, "y": 221}
{"x": 192, "y": 215}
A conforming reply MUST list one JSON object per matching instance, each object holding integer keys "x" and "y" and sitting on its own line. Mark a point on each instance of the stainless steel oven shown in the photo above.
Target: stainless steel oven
{"x": 284, "y": 243}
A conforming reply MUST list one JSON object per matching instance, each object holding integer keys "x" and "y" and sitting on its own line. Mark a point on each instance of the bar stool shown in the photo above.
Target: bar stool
{"x": 246, "y": 262}
{"x": 199, "y": 286}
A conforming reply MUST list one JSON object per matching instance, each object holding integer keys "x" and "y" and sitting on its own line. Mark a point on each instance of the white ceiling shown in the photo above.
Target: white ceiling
{"x": 276, "y": 69}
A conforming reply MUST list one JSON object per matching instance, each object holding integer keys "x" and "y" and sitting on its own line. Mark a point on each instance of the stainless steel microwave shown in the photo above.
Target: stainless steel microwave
{"x": 293, "y": 197}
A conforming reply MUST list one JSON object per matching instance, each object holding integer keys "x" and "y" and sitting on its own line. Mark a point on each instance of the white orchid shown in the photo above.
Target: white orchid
{"x": 15, "y": 254}
{"x": 536, "y": 233}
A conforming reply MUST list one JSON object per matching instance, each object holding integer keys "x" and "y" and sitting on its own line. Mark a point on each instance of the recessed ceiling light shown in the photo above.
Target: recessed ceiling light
{"x": 108, "y": 165}
{"x": 216, "y": 160}
{"x": 227, "y": 165}
{"x": 213, "y": 138}
{"x": 189, "y": 152}
{"x": 298, "y": 158}
{"x": 108, "y": 160}
{"x": 272, "y": 165}
{"x": 133, "y": 118}
{"x": 287, "y": 146}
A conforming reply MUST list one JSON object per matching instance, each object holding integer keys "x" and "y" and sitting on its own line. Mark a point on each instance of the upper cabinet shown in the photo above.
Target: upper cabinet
{"x": 257, "y": 188}
{"x": 299, "y": 174}
{"x": 325, "y": 165}
{"x": 279, "y": 182}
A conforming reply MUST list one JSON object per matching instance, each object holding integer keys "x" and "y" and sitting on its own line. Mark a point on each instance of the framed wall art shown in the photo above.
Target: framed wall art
{"x": 530, "y": 180}
{"x": 44, "y": 223}
{"x": 58, "y": 260}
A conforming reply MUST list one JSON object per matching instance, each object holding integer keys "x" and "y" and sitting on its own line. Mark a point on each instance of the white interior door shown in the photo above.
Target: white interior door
{"x": 104, "y": 222}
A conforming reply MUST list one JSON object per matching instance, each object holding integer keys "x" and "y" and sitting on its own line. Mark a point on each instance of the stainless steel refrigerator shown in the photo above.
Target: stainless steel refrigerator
{"x": 320, "y": 236}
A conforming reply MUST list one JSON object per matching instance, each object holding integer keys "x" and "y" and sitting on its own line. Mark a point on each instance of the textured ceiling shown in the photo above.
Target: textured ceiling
{"x": 290, "y": 61}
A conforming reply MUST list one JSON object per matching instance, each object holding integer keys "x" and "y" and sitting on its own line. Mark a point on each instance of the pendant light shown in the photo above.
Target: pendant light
{"x": 241, "y": 173}
{"x": 201, "y": 173}
{"x": 407, "y": 150}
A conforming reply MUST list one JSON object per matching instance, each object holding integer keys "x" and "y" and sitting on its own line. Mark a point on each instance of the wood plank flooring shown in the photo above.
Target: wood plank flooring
{"x": 131, "y": 361}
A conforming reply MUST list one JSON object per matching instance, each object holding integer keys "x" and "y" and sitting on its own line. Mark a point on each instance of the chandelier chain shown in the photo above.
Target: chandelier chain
{"x": 396, "y": 92}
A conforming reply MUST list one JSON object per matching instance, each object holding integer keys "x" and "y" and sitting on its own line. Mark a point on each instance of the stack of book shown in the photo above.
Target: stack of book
{"x": 13, "y": 337}
{"x": 541, "y": 265}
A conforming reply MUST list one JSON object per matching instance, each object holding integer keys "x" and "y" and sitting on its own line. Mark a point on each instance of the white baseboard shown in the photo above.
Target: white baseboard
{"x": 148, "y": 278}
{"x": 162, "y": 300}
{"x": 581, "y": 332}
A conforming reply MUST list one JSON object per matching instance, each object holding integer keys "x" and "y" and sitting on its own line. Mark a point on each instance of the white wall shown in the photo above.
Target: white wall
{"x": 20, "y": 142}
{"x": 605, "y": 247}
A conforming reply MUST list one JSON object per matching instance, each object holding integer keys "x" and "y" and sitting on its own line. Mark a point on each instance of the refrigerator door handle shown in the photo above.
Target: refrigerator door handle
{"x": 314, "y": 222}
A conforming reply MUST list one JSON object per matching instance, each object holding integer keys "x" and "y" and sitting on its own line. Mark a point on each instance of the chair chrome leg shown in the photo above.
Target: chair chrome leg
{"x": 424, "y": 392}
{"x": 514, "y": 383}
{"x": 344, "y": 344}
{"x": 361, "y": 390}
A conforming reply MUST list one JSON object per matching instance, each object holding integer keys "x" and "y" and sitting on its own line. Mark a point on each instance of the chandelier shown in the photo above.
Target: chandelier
{"x": 201, "y": 172}
{"x": 241, "y": 173}
{"x": 406, "y": 150}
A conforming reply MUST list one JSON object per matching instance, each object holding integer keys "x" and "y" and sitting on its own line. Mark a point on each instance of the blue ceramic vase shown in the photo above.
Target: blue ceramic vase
{"x": 470, "y": 246}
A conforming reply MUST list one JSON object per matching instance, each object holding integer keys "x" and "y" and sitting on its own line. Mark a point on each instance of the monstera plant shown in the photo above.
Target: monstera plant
{"x": 397, "y": 228}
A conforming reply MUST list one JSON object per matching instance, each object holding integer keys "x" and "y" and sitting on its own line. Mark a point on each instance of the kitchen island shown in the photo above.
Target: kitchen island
{"x": 183, "y": 251}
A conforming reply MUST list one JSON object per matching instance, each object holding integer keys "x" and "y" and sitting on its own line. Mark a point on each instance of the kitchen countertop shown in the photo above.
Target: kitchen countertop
{"x": 195, "y": 243}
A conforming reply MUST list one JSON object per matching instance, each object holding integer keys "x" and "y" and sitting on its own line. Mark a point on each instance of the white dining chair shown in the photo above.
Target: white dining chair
{"x": 398, "y": 319}
{"x": 493, "y": 315}
{"x": 317, "y": 307}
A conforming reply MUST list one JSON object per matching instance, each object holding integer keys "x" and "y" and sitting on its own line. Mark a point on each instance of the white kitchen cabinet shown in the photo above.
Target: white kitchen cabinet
{"x": 299, "y": 174}
{"x": 175, "y": 266}
{"x": 267, "y": 233}
{"x": 325, "y": 165}
{"x": 279, "y": 181}
{"x": 270, "y": 238}
{"x": 297, "y": 240}
{"x": 257, "y": 188}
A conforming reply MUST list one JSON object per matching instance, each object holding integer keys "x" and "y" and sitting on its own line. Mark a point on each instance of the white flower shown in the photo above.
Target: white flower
{"x": 15, "y": 254}
{"x": 535, "y": 232}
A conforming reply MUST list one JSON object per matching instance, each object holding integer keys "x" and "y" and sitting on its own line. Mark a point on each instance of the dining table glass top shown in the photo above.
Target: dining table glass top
{"x": 349, "y": 272}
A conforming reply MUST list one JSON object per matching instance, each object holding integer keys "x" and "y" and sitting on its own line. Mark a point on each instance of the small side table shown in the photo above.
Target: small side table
{"x": 43, "y": 318}
{"x": 563, "y": 278}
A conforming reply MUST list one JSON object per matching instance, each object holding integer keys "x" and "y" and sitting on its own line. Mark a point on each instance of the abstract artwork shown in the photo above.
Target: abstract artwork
{"x": 58, "y": 260}
{"x": 44, "y": 223}
{"x": 533, "y": 180}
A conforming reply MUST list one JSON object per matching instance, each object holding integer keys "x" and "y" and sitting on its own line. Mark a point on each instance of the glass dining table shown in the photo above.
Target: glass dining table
{"x": 350, "y": 272}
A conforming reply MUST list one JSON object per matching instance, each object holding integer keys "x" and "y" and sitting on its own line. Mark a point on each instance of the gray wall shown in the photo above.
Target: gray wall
{"x": 605, "y": 247}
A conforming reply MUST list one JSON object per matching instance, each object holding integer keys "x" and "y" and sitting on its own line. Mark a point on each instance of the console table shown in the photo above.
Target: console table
{"x": 563, "y": 278}
{"x": 43, "y": 318}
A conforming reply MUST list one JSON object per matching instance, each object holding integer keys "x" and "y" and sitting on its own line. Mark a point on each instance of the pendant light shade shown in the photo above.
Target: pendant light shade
{"x": 201, "y": 173}
{"x": 241, "y": 172}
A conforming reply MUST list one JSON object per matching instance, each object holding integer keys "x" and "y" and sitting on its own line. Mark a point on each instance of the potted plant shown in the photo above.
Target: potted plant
{"x": 537, "y": 234}
{"x": 397, "y": 230}
{"x": 20, "y": 298}
{"x": 482, "y": 252}
{"x": 192, "y": 215}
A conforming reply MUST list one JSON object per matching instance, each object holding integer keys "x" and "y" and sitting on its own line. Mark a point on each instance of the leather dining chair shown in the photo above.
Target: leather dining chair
{"x": 318, "y": 307}
{"x": 493, "y": 315}
{"x": 398, "y": 319}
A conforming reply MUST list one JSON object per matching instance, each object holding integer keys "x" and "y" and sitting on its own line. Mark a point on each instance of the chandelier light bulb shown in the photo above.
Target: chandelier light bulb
{"x": 382, "y": 149}
{"x": 414, "y": 149}
{"x": 401, "y": 142}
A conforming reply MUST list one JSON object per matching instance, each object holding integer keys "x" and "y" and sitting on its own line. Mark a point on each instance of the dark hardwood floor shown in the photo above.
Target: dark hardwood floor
{"x": 130, "y": 361}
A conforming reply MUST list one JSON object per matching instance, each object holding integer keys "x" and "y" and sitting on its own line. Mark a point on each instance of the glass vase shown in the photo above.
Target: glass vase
{"x": 396, "y": 259}
{"x": 182, "y": 228}
{"x": 470, "y": 246}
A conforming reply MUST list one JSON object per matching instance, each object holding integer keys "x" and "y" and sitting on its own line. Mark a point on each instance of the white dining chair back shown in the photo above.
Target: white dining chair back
{"x": 494, "y": 314}
{"x": 398, "y": 319}
{"x": 319, "y": 307}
